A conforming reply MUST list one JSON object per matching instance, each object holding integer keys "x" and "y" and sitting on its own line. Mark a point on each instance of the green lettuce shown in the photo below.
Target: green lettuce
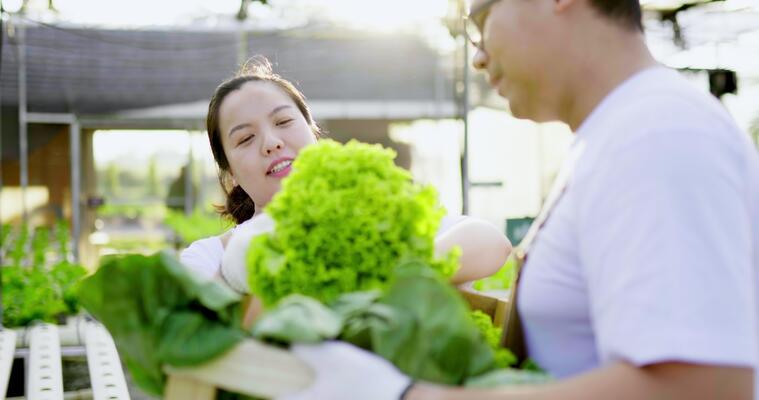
{"x": 492, "y": 334}
{"x": 346, "y": 216}
{"x": 419, "y": 323}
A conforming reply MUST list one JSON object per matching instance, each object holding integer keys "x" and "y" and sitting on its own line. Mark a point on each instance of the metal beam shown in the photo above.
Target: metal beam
{"x": 50, "y": 118}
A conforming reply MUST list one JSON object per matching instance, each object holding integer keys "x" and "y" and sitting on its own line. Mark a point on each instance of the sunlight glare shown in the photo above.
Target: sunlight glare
{"x": 388, "y": 15}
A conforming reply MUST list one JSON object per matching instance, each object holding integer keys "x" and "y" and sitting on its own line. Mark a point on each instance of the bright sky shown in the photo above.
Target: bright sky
{"x": 137, "y": 147}
{"x": 379, "y": 15}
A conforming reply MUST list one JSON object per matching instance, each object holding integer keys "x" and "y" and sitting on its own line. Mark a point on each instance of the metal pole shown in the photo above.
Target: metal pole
{"x": 198, "y": 175}
{"x": 2, "y": 31}
{"x": 242, "y": 48}
{"x": 188, "y": 178}
{"x": 2, "y": 244}
{"x": 539, "y": 157}
{"x": 22, "y": 123}
{"x": 465, "y": 156}
{"x": 75, "y": 143}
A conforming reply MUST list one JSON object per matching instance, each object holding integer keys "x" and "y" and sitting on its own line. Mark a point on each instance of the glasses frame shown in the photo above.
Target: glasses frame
{"x": 473, "y": 29}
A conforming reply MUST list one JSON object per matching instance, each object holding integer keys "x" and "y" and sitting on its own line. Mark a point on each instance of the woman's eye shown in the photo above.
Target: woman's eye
{"x": 284, "y": 122}
{"x": 246, "y": 139}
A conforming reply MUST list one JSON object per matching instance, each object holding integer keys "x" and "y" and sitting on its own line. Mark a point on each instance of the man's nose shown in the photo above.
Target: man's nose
{"x": 480, "y": 59}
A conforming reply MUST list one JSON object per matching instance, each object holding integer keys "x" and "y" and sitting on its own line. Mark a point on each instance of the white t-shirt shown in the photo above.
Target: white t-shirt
{"x": 652, "y": 252}
{"x": 204, "y": 256}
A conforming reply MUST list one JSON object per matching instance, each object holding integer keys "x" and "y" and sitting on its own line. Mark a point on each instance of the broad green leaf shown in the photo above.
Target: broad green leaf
{"x": 159, "y": 313}
{"x": 298, "y": 319}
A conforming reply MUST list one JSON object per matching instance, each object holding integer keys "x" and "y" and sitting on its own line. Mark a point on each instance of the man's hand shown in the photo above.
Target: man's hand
{"x": 345, "y": 372}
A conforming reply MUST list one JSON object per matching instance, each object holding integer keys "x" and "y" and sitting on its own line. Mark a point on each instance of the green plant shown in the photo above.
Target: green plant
{"x": 501, "y": 279}
{"x": 153, "y": 187}
{"x": 40, "y": 244}
{"x": 66, "y": 278}
{"x": 156, "y": 211}
{"x": 29, "y": 294}
{"x": 62, "y": 237}
{"x": 492, "y": 335}
{"x": 18, "y": 251}
{"x": 195, "y": 226}
{"x": 5, "y": 231}
{"x": 34, "y": 290}
{"x": 113, "y": 182}
{"x": 346, "y": 216}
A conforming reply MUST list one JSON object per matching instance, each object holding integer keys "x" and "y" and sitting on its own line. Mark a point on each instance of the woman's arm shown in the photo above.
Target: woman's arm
{"x": 621, "y": 381}
{"x": 483, "y": 248}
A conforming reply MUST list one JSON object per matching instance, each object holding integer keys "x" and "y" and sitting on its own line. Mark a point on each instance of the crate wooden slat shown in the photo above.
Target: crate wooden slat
{"x": 45, "y": 381}
{"x": 106, "y": 375}
{"x": 251, "y": 368}
{"x": 496, "y": 307}
{"x": 7, "y": 348}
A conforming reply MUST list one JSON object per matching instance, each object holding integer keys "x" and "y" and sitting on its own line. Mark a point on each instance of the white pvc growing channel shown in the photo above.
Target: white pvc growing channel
{"x": 42, "y": 347}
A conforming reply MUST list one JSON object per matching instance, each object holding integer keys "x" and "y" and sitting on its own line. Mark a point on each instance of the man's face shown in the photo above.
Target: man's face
{"x": 516, "y": 52}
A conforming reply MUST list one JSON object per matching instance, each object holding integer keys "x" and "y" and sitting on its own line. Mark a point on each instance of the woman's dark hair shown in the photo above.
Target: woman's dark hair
{"x": 238, "y": 205}
{"x": 625, "y": 11}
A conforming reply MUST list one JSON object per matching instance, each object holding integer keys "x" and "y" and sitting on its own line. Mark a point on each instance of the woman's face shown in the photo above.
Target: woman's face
{"x": 262, "y": 130}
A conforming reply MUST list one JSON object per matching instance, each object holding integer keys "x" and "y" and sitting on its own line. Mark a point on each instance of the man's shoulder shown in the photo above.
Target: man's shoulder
{"x": 665, "y": 98}
{"x": 660, "y": 118}
{"x": 663, "y": 105}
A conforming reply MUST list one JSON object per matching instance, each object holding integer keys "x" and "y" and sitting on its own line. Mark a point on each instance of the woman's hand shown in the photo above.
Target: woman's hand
{"x": 345, "y": 372}
{"x": 484, "y": 248}
{"x": 234, "y": 271}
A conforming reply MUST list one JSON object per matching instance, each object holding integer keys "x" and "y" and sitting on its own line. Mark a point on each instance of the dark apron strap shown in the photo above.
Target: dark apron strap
{"x": 513, "y": 335}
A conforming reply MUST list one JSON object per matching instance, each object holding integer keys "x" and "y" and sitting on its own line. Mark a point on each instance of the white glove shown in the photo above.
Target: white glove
{"x": 345, "y": 372}
{"x": 233, "y": 265}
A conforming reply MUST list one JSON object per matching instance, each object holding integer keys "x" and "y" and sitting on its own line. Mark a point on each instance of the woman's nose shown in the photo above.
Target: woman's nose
{"x": 272, "y": 147}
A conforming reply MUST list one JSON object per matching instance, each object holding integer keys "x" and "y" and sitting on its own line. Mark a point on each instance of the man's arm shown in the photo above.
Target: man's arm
{"x": 620, "y": 381}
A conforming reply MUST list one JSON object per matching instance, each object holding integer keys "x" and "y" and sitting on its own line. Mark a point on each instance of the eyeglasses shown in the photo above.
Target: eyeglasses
{"x": 473, "y": 23}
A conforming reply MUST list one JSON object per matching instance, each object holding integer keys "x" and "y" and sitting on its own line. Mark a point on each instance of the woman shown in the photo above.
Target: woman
{"x": 257, "y": 123}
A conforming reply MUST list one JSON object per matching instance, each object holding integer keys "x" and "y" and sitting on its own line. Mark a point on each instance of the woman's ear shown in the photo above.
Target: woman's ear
{"x": 231, "y": 177}
{"x": 229, "y": 180}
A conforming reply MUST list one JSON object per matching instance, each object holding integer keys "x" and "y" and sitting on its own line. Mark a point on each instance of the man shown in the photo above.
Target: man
{"x": 643, "y": 282}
